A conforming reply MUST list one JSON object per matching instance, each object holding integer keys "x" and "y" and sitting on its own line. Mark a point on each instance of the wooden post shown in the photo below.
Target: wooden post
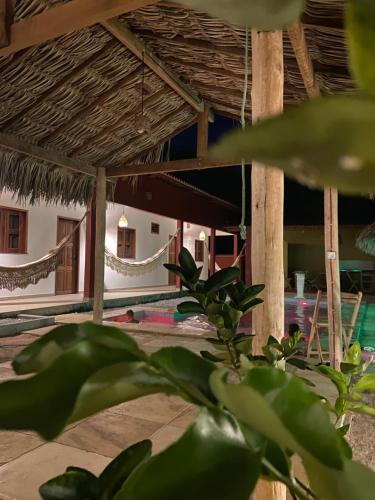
{"x": 180, "y": 244}
{"x": 202, "y": 133}
{"x": 100, "y": 228}
{"x": 89, "y": 278}
{"x": 4, "y": 23}
{"x": 331, "y": 243}
{"x": 267, "y": 211}
{"x": 248, "y": 266}
{"x": 212, "y": 252}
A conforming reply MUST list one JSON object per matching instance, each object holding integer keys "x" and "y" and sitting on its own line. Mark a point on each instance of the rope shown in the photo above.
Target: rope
{"x": 243, "y": 125}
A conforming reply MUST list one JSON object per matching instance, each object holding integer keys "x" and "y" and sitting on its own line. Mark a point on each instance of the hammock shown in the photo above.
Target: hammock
{"x": 136, "y": 268}
{"x": 234, "y": 263}
{"x": 12, "y": 277}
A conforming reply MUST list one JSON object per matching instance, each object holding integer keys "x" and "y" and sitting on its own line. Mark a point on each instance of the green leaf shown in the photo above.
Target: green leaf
{"x": 362, "y": 408}
{"x": 348, "y": 368}
{"x": 342, "y": 431}
{"x": 250, "y": 305}
{"x": 117, "y": 384}
{"x": 287, "y": 412}
{"x": 119, "y": 470}
{"x": 190, "y": 307}
{"x": 245, "y": 345}
{"x": 44, "y": 351}
{"x": 221, "y": 279}
{"x": 173, "y": 268}
{"x": 339, "y": 379}
{"x": 44, "y": 402}
{"x": 366, "y": 383}
{"x": 261, "y": 14}
{"x": 74, "y": 484}
{"x": 360, "y": 30}
{"x": 189, "y": 371}
{"x": 250, "y": 294}
{"x": 324, "y": 142}
{"x": 211, "y": 461}
{"x": 187, "y": 262}
{"x": 354, "y": 355}
{"x": 210, "y": 357}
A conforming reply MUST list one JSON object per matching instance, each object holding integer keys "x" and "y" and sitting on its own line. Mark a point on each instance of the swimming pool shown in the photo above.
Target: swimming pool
{"x": 296, "y": 311}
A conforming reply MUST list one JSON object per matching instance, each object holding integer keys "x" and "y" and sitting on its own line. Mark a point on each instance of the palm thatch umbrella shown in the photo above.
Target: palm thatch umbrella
{"x": 366, "y": 240}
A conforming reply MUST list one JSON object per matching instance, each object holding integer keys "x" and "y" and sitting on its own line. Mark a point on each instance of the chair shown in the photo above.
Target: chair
{"x": 354, "y": 299}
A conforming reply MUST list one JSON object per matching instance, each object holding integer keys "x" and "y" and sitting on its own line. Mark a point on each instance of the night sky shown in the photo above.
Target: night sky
{"x": 302, "y": 205}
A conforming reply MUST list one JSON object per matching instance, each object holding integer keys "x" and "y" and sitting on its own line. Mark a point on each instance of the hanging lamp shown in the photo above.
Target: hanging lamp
{"x": 123, "y": 221}
{"x": 142, "y": 123}
{"x": 202, "y": 236}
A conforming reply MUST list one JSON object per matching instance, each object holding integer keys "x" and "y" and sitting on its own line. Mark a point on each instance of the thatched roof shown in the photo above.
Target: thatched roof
{"x": 80, "y": 94}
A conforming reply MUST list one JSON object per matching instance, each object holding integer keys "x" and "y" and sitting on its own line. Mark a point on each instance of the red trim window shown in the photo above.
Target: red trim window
{"x": 13, "y": 230}
{"x": 199, "y": 251}
{"x": 126, "y": 243}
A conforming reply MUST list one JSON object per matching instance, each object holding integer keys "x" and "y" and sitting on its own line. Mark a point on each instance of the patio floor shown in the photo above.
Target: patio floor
{"x": 26, "y": 461}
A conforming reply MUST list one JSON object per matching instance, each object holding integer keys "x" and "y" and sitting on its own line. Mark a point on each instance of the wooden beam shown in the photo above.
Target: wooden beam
{"x": 58, "y": 85}
{"x": 332, "y": 262}
{"x": 212, "y": 268}
{"x": 88, "y": 109}
{"x": 267, "y": 202}
{"x": 202, "y": 133}
{"x": 122, "y": 120}
{"x": 89, "y": 272}
{"x": 129, "y": 40}
{"x": 3, "y": 24}
{"x": 71, "y": 16}
{"x": 298, "y": 40}
{"x": 167, "y": 166}
{"x": 100, "y": 229}
{"x": 14, "y": 143}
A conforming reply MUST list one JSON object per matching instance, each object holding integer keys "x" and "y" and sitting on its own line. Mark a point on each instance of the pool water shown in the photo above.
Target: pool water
{"x": 296, "y": 311}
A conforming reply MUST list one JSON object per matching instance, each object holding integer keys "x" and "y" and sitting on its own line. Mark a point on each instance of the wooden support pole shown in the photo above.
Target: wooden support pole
{"x": 202, "y": 133}
{"x": 179, "y": 245}
{"x": 212, "y": 269}
{"x": 89, "y": 285}
{"x": 100, "y": 228}
{"x": 248, "y": 266}
{"x": 267, "y": 211}
{"x": 331, "y": 243}
{"x": 3, "y": 23}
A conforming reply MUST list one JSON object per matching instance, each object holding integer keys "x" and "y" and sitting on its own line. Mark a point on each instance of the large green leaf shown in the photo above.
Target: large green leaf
{"x": 339, "y": 379}
{"x": 118, "y": 471}
{"x": 360, "y": 24}
{"x": 44, "y": 351}
{"x": 190, "y": 372}
{"x": 366, "y": 383}
{"x": 190, "y": 307}
{"x": 187, "y": 262}
{"x": 354, "y": 355}
{"x": 221, "y": 279}
{"x": 211, "y": 461}
{"x": 261, "y": 14}
{"x": 325, "y": 142}
{"x": 74, "y": 484}
{"x": 281, "y": 407}
{"x": 116, "y": 384}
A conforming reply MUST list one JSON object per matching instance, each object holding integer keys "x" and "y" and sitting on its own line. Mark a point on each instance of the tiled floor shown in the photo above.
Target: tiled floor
{"x": 26, "y": 461}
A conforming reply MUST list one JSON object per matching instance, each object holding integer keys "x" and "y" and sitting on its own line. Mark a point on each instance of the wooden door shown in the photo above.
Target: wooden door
{"x": 67, "y": 267}
{"x": 172, "y": 259}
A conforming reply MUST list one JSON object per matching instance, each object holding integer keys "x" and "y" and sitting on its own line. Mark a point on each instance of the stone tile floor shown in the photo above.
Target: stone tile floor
{"x": 26, "y": 461}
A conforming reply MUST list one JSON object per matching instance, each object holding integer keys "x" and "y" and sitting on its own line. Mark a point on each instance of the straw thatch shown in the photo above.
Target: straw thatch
{"x": 80, "y": 94}
{"x": 366, "y": 240}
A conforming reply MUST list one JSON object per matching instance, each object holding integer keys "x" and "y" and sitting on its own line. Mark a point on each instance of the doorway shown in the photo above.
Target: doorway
{"x": 68, "y": 263}
{"x": 172, "y": 259}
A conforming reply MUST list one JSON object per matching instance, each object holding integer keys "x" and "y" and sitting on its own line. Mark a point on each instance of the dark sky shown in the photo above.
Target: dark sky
{"x": 302, "y": 205}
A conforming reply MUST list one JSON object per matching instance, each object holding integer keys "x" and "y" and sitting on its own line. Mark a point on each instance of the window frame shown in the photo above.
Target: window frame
{"x": 5, "y": 231}
{"x": 155, "y": 225}
{"x": 133, "y": 243}
{"x": 198, "y": 250}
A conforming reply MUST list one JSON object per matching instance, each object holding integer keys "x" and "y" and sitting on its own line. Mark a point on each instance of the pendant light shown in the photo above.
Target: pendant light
{"x": 202, "y": 236}
{"x": 123, "y": 221}
{"x": 142, "y": 123}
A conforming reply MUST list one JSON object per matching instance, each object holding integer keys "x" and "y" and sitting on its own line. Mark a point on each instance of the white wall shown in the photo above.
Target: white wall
{"x": 41, "y": 237}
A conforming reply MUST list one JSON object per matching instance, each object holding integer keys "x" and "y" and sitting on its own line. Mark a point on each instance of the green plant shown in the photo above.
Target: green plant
{"x": 351, "y": 383}
{"x": 244, "y": 431}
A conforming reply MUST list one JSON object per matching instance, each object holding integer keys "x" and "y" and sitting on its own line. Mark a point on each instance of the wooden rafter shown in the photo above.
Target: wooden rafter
{"x": 159, "y": 124}
{"x": 298, "y": 40}
{"x": 65, "y": 18}
{"x": 129, "y": 40}
{"x": 122, "y": 120}
{"x": 18, "y": 145}
{"x": 202, "y": 133}
{"x": 88, "y": 109}
{"x": 58, "y": 85}
{"x": 167, "y": 166}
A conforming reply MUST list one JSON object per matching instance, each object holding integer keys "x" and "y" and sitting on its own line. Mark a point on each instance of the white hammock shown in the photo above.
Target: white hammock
{"x": 234, "y": 263}
{"x": 136, "y": 268}
{"x": 12, "y": 277}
